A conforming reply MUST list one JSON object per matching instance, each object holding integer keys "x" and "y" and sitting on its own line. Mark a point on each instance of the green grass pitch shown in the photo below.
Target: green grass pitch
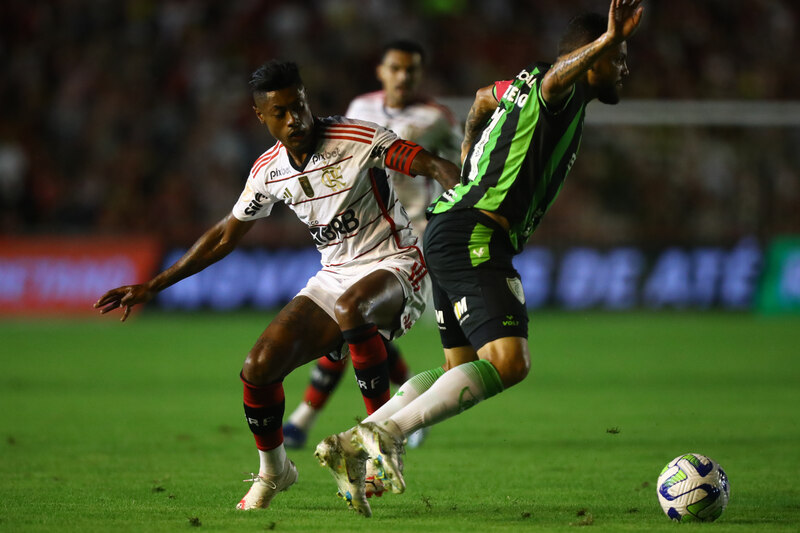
{"x": 139, "y": 427}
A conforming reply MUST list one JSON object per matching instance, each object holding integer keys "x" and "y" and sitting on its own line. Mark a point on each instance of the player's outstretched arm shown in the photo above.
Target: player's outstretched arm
{"x": 212, "y": 246}
{"x": 623, "y": 20}
{"x": 442, "y": 170}
{"x": 482, "y": 108}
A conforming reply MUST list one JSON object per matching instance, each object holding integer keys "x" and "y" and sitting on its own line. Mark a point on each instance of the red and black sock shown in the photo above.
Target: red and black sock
{"x": 369, "y": 362}
{"x": 324, "y": 379}
{"x": 263, "y": 410}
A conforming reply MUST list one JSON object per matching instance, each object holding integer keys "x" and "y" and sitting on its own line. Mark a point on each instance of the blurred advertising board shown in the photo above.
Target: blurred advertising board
{"x": 627, "y": 278}
{"x": 263, "y": 279}
{"x": 577, "y": 278}
{"x": 66, "y": 275}
{"x": 780, "y": 287}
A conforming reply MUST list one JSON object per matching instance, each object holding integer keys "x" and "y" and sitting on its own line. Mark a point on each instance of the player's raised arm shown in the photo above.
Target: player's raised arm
{"x": 212, "y": 246}
{"x": 482, "y": 108}
{"x": 623, "y": 19}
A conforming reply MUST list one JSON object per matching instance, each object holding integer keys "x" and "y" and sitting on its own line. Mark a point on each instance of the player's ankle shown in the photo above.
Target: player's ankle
{"x": 391, "y": 427}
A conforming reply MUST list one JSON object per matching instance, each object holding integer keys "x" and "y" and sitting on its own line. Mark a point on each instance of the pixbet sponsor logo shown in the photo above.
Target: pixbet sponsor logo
{"x": 326, "y": 155}
{"x": 278, "y": 172}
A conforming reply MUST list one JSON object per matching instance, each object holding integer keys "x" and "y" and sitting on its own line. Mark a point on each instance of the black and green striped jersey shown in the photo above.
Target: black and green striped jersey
{"x": 518, "y": 165}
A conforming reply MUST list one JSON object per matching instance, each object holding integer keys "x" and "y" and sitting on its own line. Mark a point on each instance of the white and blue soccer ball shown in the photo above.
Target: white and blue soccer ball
{"x": 693, "y": 487}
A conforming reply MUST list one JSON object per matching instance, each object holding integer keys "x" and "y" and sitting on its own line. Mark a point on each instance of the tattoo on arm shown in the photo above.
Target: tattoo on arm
{"x": 573, "y": 66}
{"x": 474, "y": 124}
{"x": 569, "y": 68}
{"x": 478, "y": 115}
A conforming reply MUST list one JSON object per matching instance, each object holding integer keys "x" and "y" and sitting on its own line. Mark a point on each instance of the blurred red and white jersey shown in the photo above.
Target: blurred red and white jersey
{"x": 424, "y": 122}
{"x": 342, "y": 194}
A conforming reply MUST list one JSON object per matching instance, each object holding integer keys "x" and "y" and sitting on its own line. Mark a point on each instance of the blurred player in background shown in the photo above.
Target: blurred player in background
{"x": 522, "y": 137}
{"x": 400, "y": 108}
{"x": 331, "y": 173}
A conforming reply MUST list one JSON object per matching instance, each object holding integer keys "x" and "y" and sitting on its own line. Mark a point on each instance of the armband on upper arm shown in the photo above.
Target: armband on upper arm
{"x": 400, "y": 155}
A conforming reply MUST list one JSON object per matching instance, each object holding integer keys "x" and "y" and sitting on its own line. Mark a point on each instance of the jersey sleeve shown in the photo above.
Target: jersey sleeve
{"x": 391, "y": 152}
{"x": 252, "y": 204}
{"x": 381, "y": 141}
{"x": 576, "y": 94}
{"x": 555, "y": 110}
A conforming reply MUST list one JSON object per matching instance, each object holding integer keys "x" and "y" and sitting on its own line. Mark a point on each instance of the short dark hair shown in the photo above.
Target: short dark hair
{"x": 404, "y": 45}
{"x": 582, "y": 30}
{"x": 275, "y": 75}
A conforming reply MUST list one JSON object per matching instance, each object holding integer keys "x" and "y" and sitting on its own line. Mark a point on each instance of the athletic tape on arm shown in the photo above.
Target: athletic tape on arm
{"x": 400, "y": 155}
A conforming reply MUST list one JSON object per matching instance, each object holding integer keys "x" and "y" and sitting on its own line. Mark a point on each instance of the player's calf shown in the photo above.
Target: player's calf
{"x": 368, "y": 354}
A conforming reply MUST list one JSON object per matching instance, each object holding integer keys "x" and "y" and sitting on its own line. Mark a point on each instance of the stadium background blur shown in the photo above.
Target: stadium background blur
{"x": 134, "y": 117}
{"x": 123, "y": 118}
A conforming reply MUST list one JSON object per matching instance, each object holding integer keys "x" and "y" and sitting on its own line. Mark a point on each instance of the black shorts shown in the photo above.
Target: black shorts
{"x": 477, "y": 293}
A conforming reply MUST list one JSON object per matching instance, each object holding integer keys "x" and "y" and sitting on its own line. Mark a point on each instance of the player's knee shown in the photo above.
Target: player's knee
{"x": 348, "y": 309}
{"x": 259, "y": 366}
{"x": 510, "y": 357}
{"x": 512, "y": 370}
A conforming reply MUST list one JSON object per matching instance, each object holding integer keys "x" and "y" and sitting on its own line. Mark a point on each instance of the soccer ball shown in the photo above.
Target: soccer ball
{"x": 693, "y": 487}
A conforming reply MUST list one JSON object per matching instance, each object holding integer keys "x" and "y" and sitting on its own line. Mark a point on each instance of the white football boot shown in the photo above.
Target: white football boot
{"x": 373, "y": 483}
{"x": 265, "y": 488}
{"x": 347, "y": 464}
{"x": 385, "y": 451}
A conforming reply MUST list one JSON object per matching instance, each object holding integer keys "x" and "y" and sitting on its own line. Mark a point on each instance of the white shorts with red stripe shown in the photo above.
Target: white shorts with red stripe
{"x": 331, "y": 282}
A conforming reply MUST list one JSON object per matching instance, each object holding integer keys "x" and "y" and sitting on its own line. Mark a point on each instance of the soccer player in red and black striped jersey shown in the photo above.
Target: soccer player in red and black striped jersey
{"x": 332, "y": 173}
{"x": 521, "y": 141}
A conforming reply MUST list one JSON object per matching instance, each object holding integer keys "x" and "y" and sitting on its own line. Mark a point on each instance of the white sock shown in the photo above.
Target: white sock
{"x": 303, "y": 416}
{"x": 407, "y": 393}
{"x": 272, "y": 461}
{"x": 457, "y": 390}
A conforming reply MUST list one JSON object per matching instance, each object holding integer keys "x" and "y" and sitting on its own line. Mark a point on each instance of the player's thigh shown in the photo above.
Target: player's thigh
{"x": 450, "y": 333}
{"x": 377, "y": 297}
{"x": 298, "y": 334}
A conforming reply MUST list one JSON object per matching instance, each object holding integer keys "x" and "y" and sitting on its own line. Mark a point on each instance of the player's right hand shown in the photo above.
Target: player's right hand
{"x": 126, "y": 297}
{"x": 623, "y": 18}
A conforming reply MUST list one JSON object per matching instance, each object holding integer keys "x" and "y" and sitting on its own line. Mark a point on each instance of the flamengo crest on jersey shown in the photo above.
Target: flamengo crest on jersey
{"x": 342, "y": 194}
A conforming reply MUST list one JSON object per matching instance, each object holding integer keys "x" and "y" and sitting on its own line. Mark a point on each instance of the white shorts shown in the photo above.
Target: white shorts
{"x": 331, "y": 282}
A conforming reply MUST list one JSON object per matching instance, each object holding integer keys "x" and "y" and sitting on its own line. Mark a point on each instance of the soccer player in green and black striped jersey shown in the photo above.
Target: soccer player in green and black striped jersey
{"x": 521, "y": 139}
